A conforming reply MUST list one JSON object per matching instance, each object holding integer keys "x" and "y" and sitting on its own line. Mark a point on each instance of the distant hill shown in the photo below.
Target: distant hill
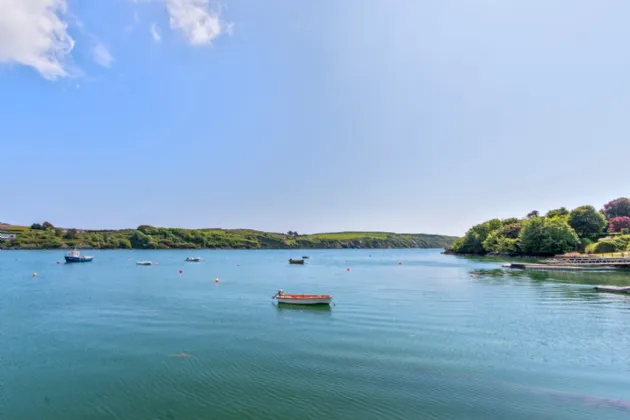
{"x": 47, "y": 236}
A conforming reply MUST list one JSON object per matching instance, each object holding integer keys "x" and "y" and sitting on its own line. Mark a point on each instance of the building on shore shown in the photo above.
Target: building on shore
{"x": 5, "y": 236}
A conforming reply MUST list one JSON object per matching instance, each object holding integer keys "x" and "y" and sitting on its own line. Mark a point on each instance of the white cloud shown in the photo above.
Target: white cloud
{"x": 198, "y": 22}
{"x": 101, "y": 55}
{"x": 155, "y": 33}
{"x": 34, "y": 33}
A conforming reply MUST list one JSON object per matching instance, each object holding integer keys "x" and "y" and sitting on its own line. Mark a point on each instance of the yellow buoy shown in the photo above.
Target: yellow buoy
{"x": 34, "y": 274}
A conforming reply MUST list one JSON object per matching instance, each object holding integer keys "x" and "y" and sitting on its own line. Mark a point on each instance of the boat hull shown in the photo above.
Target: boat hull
{"x": 292, "y": 299}
{"x": 78, "y": 259}
{"x": 304, "y": 301}
{"x": 296, "y": 262}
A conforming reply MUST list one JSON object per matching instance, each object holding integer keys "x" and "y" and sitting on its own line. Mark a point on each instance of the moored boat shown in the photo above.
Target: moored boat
{"x": 144, "y": 263}
{"x": 292, "y": 261}
{"x": 193, "y": 259}
{"x": 75, "y": 256}
{"x": 293, "y": 299}
{"x": 305, "y": 257}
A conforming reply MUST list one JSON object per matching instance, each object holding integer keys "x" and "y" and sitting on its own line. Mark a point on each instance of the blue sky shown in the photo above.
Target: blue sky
{"x": 327, "y": 115}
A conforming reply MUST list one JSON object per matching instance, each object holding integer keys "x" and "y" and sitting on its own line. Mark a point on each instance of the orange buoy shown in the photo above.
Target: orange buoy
{"x": 34, "y": 274}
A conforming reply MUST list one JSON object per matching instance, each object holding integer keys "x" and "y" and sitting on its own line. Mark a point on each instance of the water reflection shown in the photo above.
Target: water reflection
{"x": 316, "y": 309}
{"x": 589, "y": 277}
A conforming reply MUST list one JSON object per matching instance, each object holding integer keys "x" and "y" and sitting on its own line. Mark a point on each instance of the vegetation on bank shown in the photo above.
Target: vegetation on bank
{"x": 583, "y": 229}
{"x": 47, "y": 236}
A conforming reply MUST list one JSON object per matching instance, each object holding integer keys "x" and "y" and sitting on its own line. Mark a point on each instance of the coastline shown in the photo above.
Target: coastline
{"x": 149, "y": 237}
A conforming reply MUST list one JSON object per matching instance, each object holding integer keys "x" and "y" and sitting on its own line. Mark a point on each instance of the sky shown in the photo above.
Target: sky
{"x": 317, "y": 116}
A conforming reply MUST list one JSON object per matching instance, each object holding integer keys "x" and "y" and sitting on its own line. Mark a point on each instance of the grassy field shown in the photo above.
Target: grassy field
{"x": 149, "y": 237}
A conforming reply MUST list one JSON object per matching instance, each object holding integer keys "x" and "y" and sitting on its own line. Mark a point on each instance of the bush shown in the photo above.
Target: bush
{"x": 618, "y": 224}
{"x": 585, "y": 243}
{"x": 472, "y": 242}
{"x": 608, "y": 245}
{"x": 601, "y": 247}
{"x": 617, "y": 208}
{"x": 587, "y": 221}
{"x": 544, "y": 236}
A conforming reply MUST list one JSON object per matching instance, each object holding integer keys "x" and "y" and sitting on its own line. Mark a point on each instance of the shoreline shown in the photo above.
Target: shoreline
{"x": 209, "y": 249}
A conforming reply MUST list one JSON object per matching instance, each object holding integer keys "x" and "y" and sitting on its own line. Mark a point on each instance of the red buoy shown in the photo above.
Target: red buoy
{"x": 181, "y": 271}
{"x": 347, "y": 269}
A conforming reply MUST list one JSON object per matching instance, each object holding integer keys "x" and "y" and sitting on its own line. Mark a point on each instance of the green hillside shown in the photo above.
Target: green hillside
{"x": 46, "y": 236}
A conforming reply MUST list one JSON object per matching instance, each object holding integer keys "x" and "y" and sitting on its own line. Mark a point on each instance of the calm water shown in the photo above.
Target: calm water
{"x": 425, "y": 340}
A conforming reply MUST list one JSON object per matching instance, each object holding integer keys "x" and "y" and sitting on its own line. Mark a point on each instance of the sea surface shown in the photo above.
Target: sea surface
{"x": 436, "y": 337}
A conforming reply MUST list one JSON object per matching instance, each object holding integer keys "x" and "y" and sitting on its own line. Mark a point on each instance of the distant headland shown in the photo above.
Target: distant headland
{"x": 46, "y": 236}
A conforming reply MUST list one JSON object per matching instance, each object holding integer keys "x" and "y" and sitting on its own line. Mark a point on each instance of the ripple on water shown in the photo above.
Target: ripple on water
{"x": 422, "y": 340}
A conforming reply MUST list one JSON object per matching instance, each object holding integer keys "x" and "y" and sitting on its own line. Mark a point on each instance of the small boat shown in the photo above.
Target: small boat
{"x": 144, "y": 263}
{"x": 75, "y": 256}
{"x": 305, "y": 257}
{"x": 193, "y": 259}
{"x": 292, "y": 299}
{"x": 292, "y": 261}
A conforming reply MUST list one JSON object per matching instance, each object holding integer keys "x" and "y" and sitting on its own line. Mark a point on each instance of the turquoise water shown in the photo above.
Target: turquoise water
{"x": 422, "y": 340}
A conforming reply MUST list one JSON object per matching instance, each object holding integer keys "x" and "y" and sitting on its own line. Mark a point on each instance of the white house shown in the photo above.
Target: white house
{"x": 7, "y": 236}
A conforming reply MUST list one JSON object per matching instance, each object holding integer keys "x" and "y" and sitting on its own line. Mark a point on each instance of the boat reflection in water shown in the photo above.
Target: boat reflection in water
{"x": 287, "y": 308}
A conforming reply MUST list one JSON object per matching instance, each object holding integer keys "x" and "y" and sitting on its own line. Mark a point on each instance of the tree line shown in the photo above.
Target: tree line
{"x": 558, "y": 231}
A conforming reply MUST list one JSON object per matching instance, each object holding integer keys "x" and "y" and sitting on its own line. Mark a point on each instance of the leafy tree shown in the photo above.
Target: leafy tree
{"x": 47, "y": 226}
{"x": 542, "y": 235}
{"x": 71, "y": 234}
{"x": 616, "y": 244}
{"x": 148, "y": 230}
{"x": 495, "y": 243}
{"x": 617, "y": 208}
{"x": 587, "y": 221}
{"x": 618, "y": 224}
{"x": 36, "y": 226}
{"x": 511, "y": 230}
{"x": 532, "y": 214}
{"x": 140, "y": 240}
{"x": 472, "y": 242}
{"x": 290, "y": 233}
{"x": 562, "y": 211}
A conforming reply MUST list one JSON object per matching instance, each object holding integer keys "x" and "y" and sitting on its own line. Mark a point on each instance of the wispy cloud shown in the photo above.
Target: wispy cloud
{"x": 196, "y": 20}
{"x": 101, "y": 55}
{"x": 34, "y": 33}
{"x": 155, "y": 33}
